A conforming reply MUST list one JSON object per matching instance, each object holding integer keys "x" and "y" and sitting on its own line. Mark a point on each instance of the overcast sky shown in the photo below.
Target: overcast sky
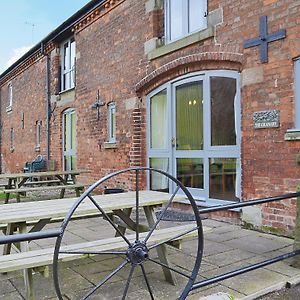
{"x": 23, "y": 23}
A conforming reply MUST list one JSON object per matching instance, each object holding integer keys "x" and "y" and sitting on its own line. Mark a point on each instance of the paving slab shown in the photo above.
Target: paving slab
{"x": 226, "y": 248}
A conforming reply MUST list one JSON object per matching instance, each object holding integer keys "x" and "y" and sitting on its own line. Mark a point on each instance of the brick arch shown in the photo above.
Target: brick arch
{"x": 187, "y": 64}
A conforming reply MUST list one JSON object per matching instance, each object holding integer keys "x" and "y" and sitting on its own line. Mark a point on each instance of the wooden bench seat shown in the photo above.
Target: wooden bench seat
{"x": 38, "y": 260}
{"x": 42, "y": 182}
{"x": 77, "y": 187}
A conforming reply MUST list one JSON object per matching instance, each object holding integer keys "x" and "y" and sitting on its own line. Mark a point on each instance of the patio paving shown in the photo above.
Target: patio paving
{"x": 226, "y": 247}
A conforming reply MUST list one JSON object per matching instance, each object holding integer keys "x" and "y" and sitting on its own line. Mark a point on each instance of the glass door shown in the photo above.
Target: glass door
{"x": 188, "y": 134}
{"x": 69, "y": 139}
{"x": 194, "y": 134}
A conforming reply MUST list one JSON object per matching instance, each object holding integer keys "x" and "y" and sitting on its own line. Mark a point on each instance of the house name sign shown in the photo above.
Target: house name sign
{"x": 266, "y": 119}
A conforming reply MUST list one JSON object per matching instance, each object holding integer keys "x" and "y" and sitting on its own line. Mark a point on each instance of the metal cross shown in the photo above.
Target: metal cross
{"x": 264, "y": 38}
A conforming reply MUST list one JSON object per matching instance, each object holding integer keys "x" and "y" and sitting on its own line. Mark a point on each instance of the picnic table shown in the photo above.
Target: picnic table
{"x": 16, "y": 217}
{"x": 20, "y": 183}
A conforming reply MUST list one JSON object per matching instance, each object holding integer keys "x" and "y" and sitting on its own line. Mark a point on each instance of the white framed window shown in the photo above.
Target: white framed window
{"x": 9, "y": 97}
{"x": 38, "y": 132}
{"x": 111, "y": 122}
{"x": 297, "y": 93}
{"x": 183, "y": 17}
{"x": 68, "y": 53}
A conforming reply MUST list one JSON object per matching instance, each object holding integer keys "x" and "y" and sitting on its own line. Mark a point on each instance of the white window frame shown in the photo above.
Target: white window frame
{"x": 110, "y": 127}
{"x": 231, "y": 151}
{"x": 9, "y": 97}
{"x": 185, "y": 16}
{"x": 297, "y": 92}
{"x": 66, "y": 66}
{"x": 38, "y": 134}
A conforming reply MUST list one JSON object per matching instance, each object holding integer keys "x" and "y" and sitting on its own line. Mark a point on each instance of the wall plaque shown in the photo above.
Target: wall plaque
{"x": 266, "y": 119}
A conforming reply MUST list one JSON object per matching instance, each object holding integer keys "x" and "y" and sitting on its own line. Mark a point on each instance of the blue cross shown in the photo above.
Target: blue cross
{"x": 264, "y": 38}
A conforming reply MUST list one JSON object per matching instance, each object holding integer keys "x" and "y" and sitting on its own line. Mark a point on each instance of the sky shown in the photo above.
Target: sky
{"x": 24, "y": 23}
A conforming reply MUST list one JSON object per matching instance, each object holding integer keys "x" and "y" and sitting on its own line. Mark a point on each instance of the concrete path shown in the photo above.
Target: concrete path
{"x": 227, "y": 247}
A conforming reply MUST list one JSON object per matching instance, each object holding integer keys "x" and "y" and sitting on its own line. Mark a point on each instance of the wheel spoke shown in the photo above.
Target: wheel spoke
{"x": 137, "y": 217}
{"x": 107, "y": 218}
{"x": 99, "y": 284}
{"x": 94, "y": 252}
{"x": 170, "y": 268}
{"x": 128, "y": 282}
{"x": 173, "y": 238}
{"x": 147, "y": 282}
{"x": 161, "y": 215}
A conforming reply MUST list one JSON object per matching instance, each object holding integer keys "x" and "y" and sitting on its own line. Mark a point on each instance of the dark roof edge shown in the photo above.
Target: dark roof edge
{"x": 90, "y": 6}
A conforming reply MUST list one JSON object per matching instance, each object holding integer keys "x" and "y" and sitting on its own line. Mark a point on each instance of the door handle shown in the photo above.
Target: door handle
{"x": 173, "y": 141}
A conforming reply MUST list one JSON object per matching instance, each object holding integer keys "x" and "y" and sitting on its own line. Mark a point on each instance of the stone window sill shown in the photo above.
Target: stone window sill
{"x": 182, "y": 43}
{"x": 66, "y": 91}
{"x": 110, "y": 145}
{"x": 292, "y": 135}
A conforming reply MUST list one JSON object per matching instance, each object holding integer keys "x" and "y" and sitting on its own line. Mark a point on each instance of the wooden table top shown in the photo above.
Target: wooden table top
{"x": 58, "y": 208}
{"x": 41, "y": 174}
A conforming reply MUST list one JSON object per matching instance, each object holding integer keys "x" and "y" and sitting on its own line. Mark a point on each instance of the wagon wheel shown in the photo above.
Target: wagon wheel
{"x": 140, "y": 255}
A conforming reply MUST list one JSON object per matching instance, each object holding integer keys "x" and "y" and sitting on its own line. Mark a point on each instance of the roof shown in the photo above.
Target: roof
{"x": 62, "y": 29}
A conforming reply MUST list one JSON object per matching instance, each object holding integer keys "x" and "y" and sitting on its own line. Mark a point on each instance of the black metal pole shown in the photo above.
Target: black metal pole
{"x": 7, "y": 239}
{"x": 236, "y": 272}
{"x": 248, "y": 203}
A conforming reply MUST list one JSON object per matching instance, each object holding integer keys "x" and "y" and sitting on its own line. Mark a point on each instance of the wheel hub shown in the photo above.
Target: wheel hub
{"x": 137, "y": 253}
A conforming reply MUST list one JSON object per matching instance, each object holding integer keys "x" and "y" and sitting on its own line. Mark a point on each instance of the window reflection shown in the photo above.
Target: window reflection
{"x": 190, "y": 172}
{"x": 222, "y": 176}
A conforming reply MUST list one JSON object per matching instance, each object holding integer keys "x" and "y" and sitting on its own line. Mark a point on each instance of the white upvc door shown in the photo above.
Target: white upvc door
{"x": 69, "y": 140}
{"x": 187, "y": 152}
{"x": 194, "y": 134}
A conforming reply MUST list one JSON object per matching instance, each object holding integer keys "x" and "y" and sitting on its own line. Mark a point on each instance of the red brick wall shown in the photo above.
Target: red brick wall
{"x": 28, "y": 98}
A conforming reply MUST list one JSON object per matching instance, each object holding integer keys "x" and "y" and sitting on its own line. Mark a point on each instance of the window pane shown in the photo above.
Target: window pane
{"x": 113, "y": 123}
{"x": 223, "y": 91}
{"x": 73, "y": 128}
{"x": 66, "y": 55}
{"x": 67, "y": 132}
{"x": 189, "y": 116}
{"x": 72, "y": 53}
{"x": 159, "y": 182}
{"x": 158, "y": 121}
{"x": 222, "y": 176}
{"x": 67, "y": 77}
{"x": 176, "y": 19}
{"x": 196, "y": 15}
{"x": 190, "y": 172}
{"x": 10, "y": 94}
{"x": 72, "y": 65}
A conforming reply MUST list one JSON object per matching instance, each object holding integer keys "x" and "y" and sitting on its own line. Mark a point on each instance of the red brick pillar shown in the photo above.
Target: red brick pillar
{"x": 135, "y": 153}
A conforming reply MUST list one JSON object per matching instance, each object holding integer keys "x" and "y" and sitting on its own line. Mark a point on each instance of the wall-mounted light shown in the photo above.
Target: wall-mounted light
{"x": 98, "y": 103}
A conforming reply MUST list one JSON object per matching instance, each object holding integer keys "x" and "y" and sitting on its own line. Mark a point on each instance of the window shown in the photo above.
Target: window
{"x": 12, "y": 140}
{"x": 38, "y": 129}
{"x": 9, "y": 97}
{"x": 68, "y": 65}
{"x": 184, "y": 17}
{"x": 111, "y": 122}
{"x": 194, "y": 134}
{"x": 297, "y": 93}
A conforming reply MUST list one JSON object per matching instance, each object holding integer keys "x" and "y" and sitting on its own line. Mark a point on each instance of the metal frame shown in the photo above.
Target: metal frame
{"x": 208, "y": 151}
{"x": 138, "y": 252}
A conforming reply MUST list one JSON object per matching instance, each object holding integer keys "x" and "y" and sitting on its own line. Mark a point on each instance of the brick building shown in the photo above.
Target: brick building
{"x": 203, "y": 89}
